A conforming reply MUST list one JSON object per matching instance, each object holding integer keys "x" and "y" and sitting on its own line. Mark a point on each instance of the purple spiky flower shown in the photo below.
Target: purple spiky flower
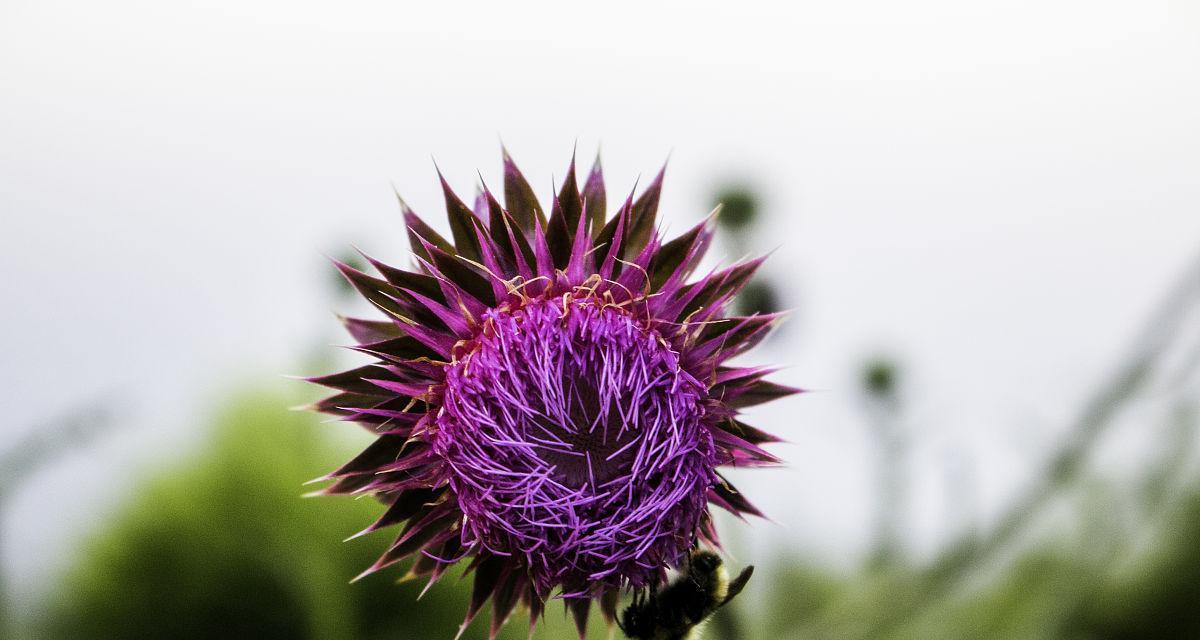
{"x": 551, "y": 397}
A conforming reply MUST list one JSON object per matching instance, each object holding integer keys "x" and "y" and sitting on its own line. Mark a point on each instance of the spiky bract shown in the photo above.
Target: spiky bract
{"x": 551, "y": 397}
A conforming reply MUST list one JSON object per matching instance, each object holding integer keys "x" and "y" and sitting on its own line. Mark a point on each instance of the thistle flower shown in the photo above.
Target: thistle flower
{"x": 551, "y": 397}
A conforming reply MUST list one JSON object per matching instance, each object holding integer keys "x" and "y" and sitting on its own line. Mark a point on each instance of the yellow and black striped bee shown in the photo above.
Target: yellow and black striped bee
{"x": 679, "y": 610}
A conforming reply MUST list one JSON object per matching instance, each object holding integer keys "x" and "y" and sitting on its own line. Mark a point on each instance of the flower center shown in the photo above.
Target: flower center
{"x": 573, "y": 436}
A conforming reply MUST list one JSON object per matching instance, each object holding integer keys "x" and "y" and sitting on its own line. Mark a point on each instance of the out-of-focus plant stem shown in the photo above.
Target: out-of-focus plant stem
{"x": 39, "y": 446}
{"x": 880, "y": 386}
{"x": 1166, "y": 326}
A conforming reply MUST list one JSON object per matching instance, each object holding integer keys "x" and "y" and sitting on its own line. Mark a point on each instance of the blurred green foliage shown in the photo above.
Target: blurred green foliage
{"x": 759, "y": 296}
{"x": 1143, "y": 587}
{"x": 740, "y": 218}
{"x": 739, "y": 207}
{"x": 224, "y": 546}
{"x": 879, "y": 378}
{"x": 220, "y": 544}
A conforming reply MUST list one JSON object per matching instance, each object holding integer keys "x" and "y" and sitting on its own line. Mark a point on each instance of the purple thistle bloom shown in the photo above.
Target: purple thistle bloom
{"x": 551, "y": 397}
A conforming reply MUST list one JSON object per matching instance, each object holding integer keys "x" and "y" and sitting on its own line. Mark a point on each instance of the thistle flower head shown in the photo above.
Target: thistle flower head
{"x": 551, "y": 396}
{"x": 575, "y": 440}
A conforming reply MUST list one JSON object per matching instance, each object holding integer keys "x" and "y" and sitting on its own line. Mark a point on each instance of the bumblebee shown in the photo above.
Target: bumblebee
{"x": 679, "y": 610}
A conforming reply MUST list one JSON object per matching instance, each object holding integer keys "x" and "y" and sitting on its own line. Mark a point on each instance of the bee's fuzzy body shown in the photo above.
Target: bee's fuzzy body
{"x": 678, "y": 611}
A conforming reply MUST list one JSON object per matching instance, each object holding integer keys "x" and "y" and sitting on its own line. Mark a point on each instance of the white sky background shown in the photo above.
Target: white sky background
{"x": 996, "y": 192}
